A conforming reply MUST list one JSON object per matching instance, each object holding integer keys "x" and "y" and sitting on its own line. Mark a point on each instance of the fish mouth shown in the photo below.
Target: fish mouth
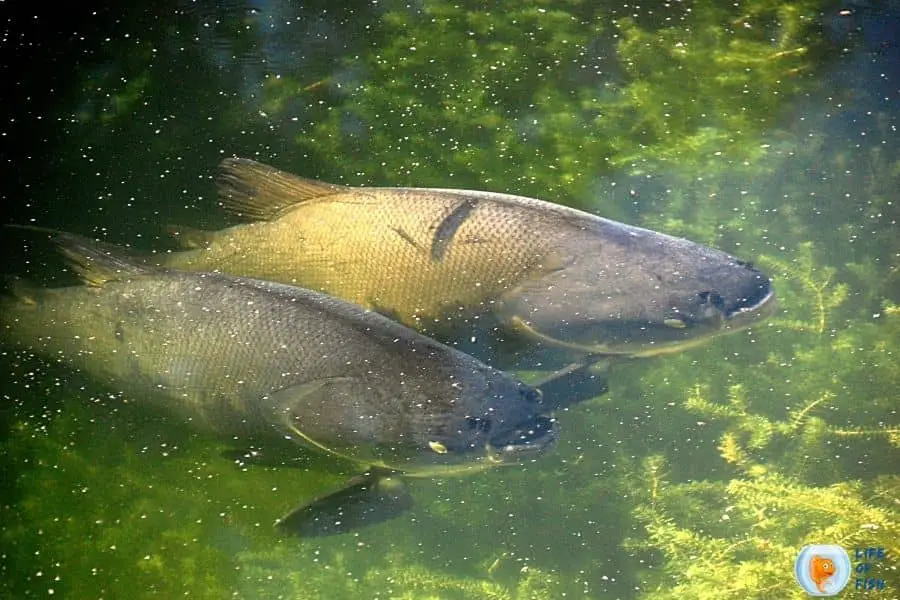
{"x": 762, "y": 308}
{"x": 529, "y": 439}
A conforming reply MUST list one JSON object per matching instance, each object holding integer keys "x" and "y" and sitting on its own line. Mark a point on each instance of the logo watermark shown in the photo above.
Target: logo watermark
{"x": 822, "y": 569}
{"x": 826, "y": 569}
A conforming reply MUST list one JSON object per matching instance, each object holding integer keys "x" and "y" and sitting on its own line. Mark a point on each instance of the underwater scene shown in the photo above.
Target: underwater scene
{"x": 744, "y": 443}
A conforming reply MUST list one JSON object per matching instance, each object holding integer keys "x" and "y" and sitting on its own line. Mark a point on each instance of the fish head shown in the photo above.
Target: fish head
{"x": 450, "y": 416}
{"x": 628, "y": 291}
{"x": 491, "y": 419}
{"x": 822, "y": 566}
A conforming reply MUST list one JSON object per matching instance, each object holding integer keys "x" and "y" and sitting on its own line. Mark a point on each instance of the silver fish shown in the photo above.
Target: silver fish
{"x": 241, "y": 356}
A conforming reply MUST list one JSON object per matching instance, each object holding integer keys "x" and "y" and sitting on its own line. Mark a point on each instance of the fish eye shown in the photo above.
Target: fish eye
{"x": 478, "y": 424}
{"x": 712, "y": 298}
{"x": 531, "y": 394}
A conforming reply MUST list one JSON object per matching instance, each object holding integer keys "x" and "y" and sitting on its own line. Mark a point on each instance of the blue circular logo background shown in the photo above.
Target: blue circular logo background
{"x": 834, "y": 584}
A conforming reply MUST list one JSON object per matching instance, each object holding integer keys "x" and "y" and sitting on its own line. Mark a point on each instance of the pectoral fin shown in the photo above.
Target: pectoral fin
{"x": 258, "y": 192}
{"x": 574, "y": 383}
{"x": 190, "y": 238}
{"x": 448, "y": 227}
{"x": 376, "y": 496}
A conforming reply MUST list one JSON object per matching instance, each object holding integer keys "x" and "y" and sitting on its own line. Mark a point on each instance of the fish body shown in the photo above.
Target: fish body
{"x": 435, "y": 258}
{"x": 437, "y": 247}
{"x": 821, "y": 569}
{"x": 241, "y": 356}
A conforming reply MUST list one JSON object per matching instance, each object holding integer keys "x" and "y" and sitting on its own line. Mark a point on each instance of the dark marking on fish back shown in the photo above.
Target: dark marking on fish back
{"x": 444, "y": 233}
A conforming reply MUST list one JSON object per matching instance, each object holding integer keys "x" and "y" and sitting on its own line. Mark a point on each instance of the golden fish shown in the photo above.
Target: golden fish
{"x": 429, "y": 257}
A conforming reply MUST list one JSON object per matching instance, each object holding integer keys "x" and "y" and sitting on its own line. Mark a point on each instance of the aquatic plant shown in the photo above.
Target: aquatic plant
{"x": 818, "y": 292}
{"x": 801, "y": 438}
{"x": 107, "y": 490}
{"x": 286, "y": 570}
{"x": 743, "y": 64}
{"x": 805, "y": 422}
{"x": 541, "y": 98}
{"x": 739, "y": 538}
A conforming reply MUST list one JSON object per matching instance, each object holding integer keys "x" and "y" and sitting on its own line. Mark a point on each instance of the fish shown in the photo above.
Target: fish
{"x": 251, "y": 359}
{"x": 821, "y": 569}
{"x": 462, "y": 264}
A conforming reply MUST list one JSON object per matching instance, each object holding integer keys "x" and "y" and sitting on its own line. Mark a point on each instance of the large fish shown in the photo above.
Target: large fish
{"x": 245, "y": 357}
{"x": 443, "y": 261}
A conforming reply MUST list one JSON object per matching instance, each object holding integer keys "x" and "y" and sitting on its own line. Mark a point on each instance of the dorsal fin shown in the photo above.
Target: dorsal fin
{"x": 258, "y": 192}
{"x": 93, "y": 261}
{"x": 96, "y": 262}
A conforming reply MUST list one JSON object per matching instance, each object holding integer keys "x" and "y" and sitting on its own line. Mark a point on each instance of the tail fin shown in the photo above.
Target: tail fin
{"x": 93, "y": 261}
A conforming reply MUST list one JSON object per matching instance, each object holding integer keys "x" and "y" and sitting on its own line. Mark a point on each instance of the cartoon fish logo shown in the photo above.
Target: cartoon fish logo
{"x": 821, "y": 569}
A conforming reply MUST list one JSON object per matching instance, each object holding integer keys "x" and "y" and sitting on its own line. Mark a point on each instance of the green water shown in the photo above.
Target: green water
{"x": 768, "y": 130}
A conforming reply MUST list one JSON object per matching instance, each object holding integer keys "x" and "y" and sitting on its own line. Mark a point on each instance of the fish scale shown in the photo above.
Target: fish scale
{"x": 414, "y": 285}
{"x": 224, "y": 352}
{"x": 437, "y": 259}
{"x": 242, "y": 356}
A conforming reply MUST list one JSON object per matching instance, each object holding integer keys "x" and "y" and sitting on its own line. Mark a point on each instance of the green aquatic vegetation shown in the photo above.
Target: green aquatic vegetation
{"x": 739, "y": 538}
{"x": 530, "y": 584}
{"x": 541, "y": 98}
{"x": 753, "y": 442}
{"x": 114, "y": 504}
{"x": 805, "y": 425}
{"x": 870, "y": 280}
{"x": 741, "y": 64}
{"x": 284, "y": 570}
{"x": 811, "y": 290}
{"x": 808, "y": 430}
{"x": 288, "y": 570}
{"x": 95, "y": 520}
{"x": 837, "y": 389}
{"x": 417, "y": 579}
{"x": 424, "y": 123}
